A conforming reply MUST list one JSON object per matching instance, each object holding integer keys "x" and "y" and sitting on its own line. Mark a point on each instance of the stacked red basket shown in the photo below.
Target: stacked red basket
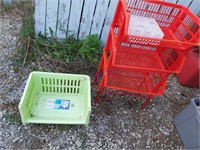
{"x": 142, "y": 64}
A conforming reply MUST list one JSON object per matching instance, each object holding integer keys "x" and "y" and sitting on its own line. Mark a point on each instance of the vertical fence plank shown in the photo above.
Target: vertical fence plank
{"x": 75, "y": 15}
{"x": 184, "y": 2}
{"x": 171, "y": 1}
{"x": 40, "y": 14}
{"x": 51, "y": 16}
{"x": 63, "y": 16}
{"x": 100, "y": 13}
{"x": 195, "y": 7}
{"x": 87, "y": 17}
{"x": 108, "y": 20}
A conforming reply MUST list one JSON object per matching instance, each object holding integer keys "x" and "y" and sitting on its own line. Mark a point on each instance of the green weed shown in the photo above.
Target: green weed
{"x": 91, "y": 48}
{"x": 12, "y": 118}
{"x": 84, "y": 138}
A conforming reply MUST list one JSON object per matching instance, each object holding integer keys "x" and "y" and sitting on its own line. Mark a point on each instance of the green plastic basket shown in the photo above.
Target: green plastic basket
{"x": 56, "y": 98}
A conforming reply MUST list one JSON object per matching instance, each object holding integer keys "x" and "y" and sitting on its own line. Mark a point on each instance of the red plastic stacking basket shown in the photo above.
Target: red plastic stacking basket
{"x": 133, "y": 70}
{"x": 179, "y": 25}
{"x": 147, "y": 58}
{"x": 141, "y": 64}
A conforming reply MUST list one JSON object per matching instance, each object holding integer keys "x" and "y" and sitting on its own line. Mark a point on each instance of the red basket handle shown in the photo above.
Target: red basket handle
{"x": 161, "y": 2}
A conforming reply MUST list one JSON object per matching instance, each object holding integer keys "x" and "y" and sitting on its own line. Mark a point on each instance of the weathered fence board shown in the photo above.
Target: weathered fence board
{"x": 75, "y": 15}
{"x": 51, "y": 16}
{"x": 195, "y": 7}
{"x": 40, "y": 16}
{"x": 108, "y": 20}
{"x": 87, "y": 17}
{"x": 100, "y": 14}
{"x": 63, "y": 18}
{"x": 184, "y": 2}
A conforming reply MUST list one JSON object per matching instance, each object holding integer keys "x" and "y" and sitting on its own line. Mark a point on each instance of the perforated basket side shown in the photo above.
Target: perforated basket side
{"x": 60, "y": 85}
{"x": 135, "y": 80}
{"x": 28, "y": 98}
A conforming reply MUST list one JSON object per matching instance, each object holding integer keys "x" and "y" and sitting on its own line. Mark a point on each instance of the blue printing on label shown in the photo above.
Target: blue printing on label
{"x": 58, "y": 104}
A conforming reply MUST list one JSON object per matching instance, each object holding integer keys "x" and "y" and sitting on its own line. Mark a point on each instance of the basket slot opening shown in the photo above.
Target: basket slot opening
{"x": 46, "y": 81}
{"x": 61, "y": 89}
{"x": 49, "y": 81}
{"x": 116, "y": 30}
{"x": 50, "y": 89}
{"x": 54, "y": 82}
{"x": 42, "y": 80}
{"x": 54, "y": 89}
{"x": 71, "y": 82}
{"x": 79, "y": 82}
{"x": 67, "y": 89}
{"x": 64, "y": 83}
{"x": 68, "y": 82}
{"x": 46, "y": 89}
{"x": 57, "y": 82}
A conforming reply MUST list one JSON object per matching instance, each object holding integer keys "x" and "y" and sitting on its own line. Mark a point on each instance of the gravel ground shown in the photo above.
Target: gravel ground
{"x": 115, "y": 123}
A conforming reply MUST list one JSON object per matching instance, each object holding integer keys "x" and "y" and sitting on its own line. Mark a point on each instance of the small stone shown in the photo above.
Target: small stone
{"x": 133, "y": 144}
{"x": 14, "y": 38}
{"x": 16, "y": 139}
{"x": 139, "y": 136}
{"x": 147, "y": 146}
{"x": 11, "y": 71}
{"x": 78, "y": 143}
{"x": 92, "y": 144}
{"x": 125, "y": 112}
{"x": 165, "y": 133}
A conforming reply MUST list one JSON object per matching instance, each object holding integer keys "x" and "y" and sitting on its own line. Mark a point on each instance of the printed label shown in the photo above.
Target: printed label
{"x": 58, "y": 104}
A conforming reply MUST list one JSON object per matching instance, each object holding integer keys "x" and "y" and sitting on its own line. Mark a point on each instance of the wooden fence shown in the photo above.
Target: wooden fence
{"x": 82, "y": 17}
{"x": 78, "y": 17}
